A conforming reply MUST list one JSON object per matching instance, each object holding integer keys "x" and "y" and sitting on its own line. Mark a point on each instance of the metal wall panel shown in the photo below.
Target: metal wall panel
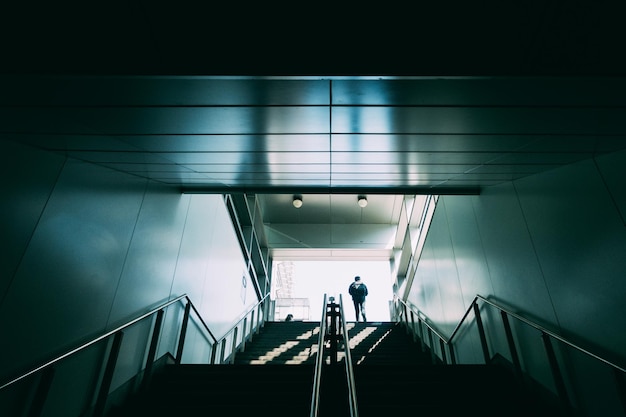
{"x": 26, "y": 188}
{"x": 578, "y": 235}
{"x": 549, "y": 247}
{"x": 611, "y": 168}
{"x": 64, "y": 288}
{"x": 152, "y": 254}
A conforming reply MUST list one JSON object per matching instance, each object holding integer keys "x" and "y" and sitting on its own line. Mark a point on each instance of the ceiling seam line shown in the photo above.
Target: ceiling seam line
{"x": 330, "y": 133}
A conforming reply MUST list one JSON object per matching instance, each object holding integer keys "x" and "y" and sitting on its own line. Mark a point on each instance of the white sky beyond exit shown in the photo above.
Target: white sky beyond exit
{"x": 314, "y": 278}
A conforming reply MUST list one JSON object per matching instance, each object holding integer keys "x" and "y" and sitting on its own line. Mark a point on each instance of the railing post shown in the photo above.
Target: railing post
{"x": 43, "y": 387}
{"x": 433, "y": 357}
{"x": 156, "y": 334}
{"x": 511, "y": 342}
{"x": 556, "y": 373}
{"x": 251, "y": 331}
{"x": 420, "y": 334}
{"x": 183, "y": 333}
{"x": 259, "y": 323}
{"x": 214, "y": 353}
{"x": 406, "y": 318}
{"x": 413, "y": 326}
{"x": 621, "y": 386}
{"x": 481, "y": 333}
{"x": 244, "y": 335}
{"x": 222, "y": 351}
{"x": 105, "y": 385}
{"x": 443, "y": 351}
{"x": 234, "y": 345}
{"x": 452, "y": 356}
{"x": 266, "y": 306}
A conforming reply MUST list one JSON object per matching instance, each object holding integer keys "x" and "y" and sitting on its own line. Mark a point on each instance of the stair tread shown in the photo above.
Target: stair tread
{"x": 392, "y": 374}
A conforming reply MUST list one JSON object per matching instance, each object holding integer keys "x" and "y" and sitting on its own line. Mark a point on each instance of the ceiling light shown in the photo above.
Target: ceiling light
{"x": 297, "y": 201}
{"x": 362, "y": 201}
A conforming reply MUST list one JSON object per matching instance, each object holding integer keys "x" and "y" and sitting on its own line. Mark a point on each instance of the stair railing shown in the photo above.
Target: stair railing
{"x": 259, "y": 310}
{"x": 409, "y": 313}
{"x": 47, "y": 369}
{"x": 319, "y": 360}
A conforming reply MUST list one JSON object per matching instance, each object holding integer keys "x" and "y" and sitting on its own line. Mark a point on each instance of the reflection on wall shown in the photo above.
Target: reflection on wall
{"x": 86, "y": 248}
{"x": 548, "y": 246}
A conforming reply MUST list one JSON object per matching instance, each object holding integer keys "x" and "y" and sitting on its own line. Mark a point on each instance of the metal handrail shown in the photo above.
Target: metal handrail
{"x": 317, "y": 376}
{"x": 550, "y": 333}
{"x": 243, "y": 317}
{"x": 354, "y": 411}
{"x": 100, "y": 338}
{"x": 206, "y": 327}
{"x": 234, "y": 329}
{"x": 420, "y": 314}
{"x": 536, "y": 326}
{"x": 125, "y": 326}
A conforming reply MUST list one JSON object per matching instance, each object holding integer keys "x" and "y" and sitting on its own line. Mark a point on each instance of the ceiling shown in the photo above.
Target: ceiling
{"x": 331, "y": 226}
{"x": 329, "y": 139}
{"x": 441, "y": 98}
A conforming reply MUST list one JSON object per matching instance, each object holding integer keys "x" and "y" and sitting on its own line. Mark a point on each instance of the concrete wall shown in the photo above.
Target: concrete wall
{"x": 85, "y": 249}
{"x": 551, "y": 248}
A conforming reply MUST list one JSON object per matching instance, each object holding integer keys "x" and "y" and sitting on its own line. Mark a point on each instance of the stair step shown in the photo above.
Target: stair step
{"x": 469, "y": 390}
{"x": 384, "y": 343}
{"x": 392, "y": 375}
{"x": 224, "y": 388}
{"x": 282, "y": 343}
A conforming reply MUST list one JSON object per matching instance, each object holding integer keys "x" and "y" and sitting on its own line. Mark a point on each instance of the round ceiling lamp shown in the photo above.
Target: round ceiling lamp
{"x": 297, "y": 201}
{"x": 362, "y": 201}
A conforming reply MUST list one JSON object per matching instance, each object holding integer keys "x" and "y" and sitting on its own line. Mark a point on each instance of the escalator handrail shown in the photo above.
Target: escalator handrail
{"x": 315, "y": 396}
{"x": 354, "y": 409}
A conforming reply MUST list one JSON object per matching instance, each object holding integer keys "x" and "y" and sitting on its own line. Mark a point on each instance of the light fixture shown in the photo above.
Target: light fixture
{"x": 362, "y": 201}
{"x": 297, "y": 201}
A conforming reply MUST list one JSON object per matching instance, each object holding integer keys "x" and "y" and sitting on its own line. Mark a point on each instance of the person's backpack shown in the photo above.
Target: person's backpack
{"x": 358, "y": 291}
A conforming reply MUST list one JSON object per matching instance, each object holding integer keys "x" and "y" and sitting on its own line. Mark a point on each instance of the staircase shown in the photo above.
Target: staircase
{"x": 282, "y": 343}
{"x": 392, "y": 376}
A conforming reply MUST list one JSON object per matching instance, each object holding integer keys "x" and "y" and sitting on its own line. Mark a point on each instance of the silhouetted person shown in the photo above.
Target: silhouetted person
{"x": 358, "y": 291}
{"x": 289, "y": 317}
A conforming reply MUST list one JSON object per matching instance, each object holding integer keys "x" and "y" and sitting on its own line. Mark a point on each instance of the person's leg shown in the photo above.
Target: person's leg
{"x": 357, "y": 309}
{"x": 363, "y": 311}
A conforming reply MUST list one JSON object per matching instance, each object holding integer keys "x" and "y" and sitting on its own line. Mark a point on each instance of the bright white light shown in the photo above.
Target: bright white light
{"x": 362, "y": 201}
{"x": 312, "y": 279}
{"x": 297, "y": 202}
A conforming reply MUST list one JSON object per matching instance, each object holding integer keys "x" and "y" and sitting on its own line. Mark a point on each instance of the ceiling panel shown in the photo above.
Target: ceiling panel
{"x": 283, "y": 131}
{"x": 99, "y": 157}
{"x": 429, "y": 142}
{"x": 478, "y": 120}
{"x": 329, "y": 139}
{"x": 519, "y": 169}
{"x": 186, "y": 120}
{"x": 415, "y": 159}
{"x": 481, "y": 91}
{"x": 161, "y": 91}
{"x": 230, "y": 143}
